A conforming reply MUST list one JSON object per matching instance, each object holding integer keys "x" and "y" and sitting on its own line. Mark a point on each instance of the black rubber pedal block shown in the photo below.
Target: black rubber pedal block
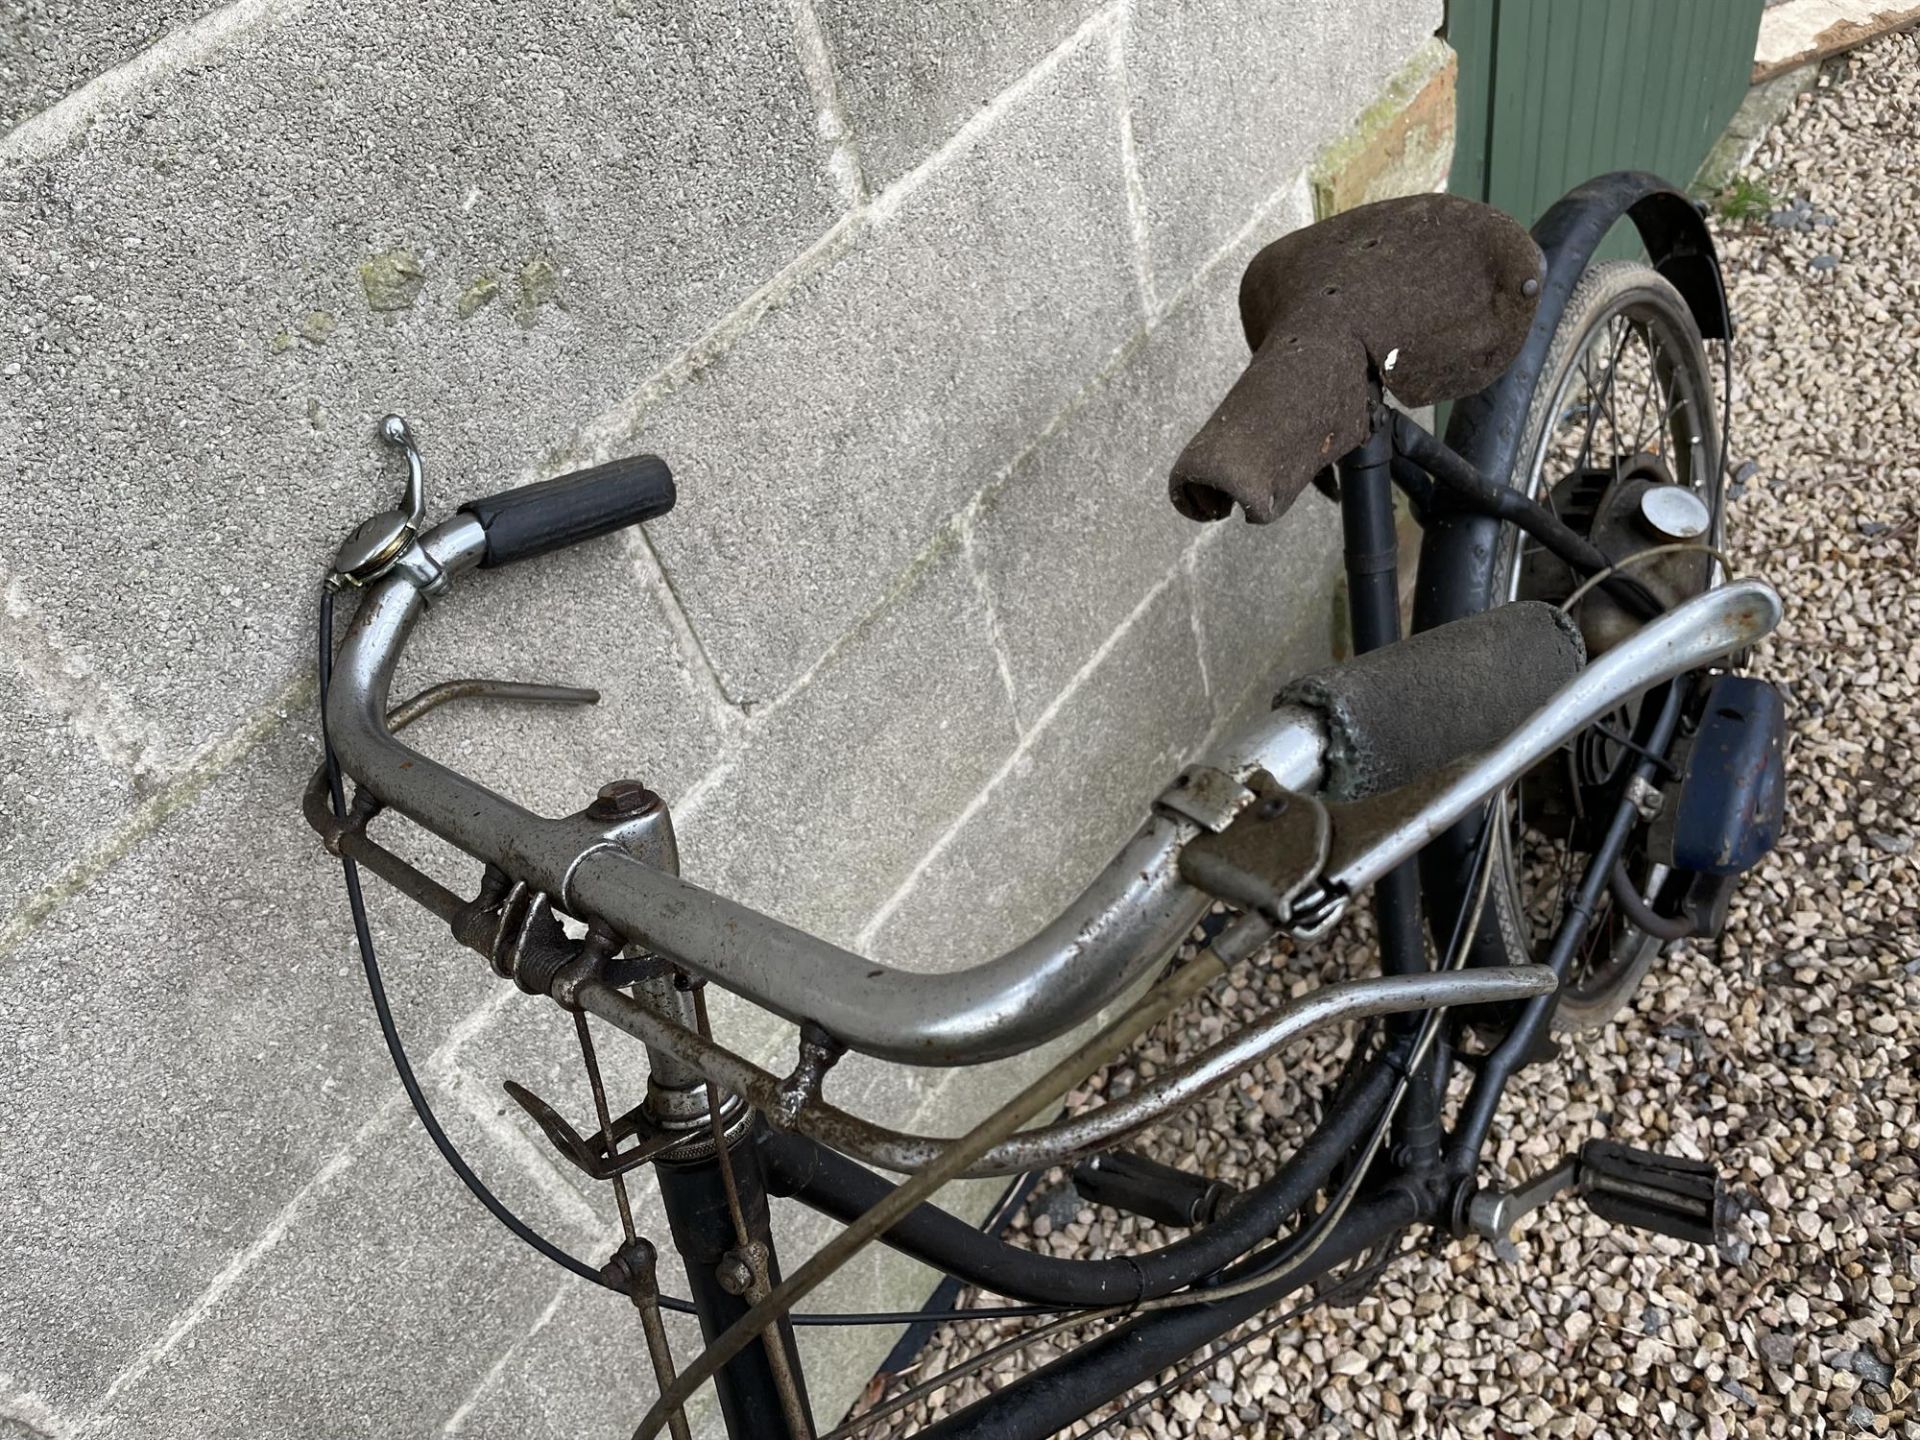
{"x": 1648, "y": 1191}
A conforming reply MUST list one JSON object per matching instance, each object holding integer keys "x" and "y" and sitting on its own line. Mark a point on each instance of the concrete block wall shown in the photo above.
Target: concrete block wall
{"x": 919, "y": 302}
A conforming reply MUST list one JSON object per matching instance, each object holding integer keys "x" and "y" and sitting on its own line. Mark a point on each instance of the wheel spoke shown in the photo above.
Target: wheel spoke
{"x": 1595, "y": 403}
{"x": 1613, "y": 410}
{"x": 1640, "y": 434}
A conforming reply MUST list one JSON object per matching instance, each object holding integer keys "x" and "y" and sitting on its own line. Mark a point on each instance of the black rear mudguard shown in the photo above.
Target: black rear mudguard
{"x": 1457, "y": 551}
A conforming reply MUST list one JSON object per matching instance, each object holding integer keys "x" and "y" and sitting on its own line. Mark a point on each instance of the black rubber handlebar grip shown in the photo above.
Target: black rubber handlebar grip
{"x": 551, "y": 514}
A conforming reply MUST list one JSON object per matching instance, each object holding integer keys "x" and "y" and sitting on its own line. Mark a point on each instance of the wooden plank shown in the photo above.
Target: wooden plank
{"x": 1803, "y": 31}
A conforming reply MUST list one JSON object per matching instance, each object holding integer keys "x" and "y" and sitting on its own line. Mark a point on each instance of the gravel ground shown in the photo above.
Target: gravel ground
{"x": 1787, "y": 1052}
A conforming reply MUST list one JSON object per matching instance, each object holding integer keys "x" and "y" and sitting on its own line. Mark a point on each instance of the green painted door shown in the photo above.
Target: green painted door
{"x": 1555, "y": 91}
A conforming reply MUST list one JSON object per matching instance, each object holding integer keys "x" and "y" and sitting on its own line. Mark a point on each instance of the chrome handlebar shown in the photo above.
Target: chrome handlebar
{"x": 1125, "y": 923}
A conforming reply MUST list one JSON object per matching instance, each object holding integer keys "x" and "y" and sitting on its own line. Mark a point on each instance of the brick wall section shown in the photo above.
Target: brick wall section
{"x": 919, "y": 301}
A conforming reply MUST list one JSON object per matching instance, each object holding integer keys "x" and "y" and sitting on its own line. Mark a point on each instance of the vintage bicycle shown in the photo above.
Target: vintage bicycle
{"x": 1562, "y": 770}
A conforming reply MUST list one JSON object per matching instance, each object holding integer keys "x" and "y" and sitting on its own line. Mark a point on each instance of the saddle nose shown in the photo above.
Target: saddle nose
{"x": 1429, "y": 296}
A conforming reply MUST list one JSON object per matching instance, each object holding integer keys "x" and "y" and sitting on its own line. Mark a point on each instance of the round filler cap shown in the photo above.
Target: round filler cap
{"x": 1675, "y": 512}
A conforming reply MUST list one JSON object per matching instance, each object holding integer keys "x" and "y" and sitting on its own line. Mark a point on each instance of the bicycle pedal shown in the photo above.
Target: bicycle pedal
{"x": 1624, "y": 1186}
{"x": 1666, "y": 1194}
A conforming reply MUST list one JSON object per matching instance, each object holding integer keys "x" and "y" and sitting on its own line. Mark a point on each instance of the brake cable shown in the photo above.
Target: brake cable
{"x": 383, "y": 1012}
{"x": 403, "y": 1067}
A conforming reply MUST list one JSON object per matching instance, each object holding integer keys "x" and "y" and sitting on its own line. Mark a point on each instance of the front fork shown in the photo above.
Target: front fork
{"x": 756, "y": 1398}
{"x": 714, "y": 1193}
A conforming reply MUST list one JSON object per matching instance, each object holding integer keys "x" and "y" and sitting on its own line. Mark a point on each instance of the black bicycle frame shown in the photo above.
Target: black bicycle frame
{"x": 1425, "y": 1178}
{"x": 718, "y": 1164}
{"x": 695, "y": 1200}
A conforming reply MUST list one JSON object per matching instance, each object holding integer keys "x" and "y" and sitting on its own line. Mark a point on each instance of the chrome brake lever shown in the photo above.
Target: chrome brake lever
{"x": 347, "y": 835}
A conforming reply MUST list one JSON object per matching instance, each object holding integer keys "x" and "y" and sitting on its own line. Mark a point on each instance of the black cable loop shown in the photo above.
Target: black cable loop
{"x": 383, "y": 1012}
{"x": 403, "y": 1067}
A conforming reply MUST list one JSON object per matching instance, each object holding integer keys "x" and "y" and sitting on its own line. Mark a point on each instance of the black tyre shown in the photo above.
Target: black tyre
{"x": 1627, "y": 374}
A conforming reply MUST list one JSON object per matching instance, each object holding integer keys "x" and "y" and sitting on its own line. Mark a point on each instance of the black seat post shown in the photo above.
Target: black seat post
{"x": 1372, "y": 539}
{"x": 1372, "y": 546}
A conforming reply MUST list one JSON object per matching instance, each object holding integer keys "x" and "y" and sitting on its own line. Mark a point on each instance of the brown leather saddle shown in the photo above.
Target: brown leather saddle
{"x": 1430, "y": 296}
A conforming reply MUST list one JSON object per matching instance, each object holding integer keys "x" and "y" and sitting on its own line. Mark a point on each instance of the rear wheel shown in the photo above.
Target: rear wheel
{"x": 1625, "y": 393}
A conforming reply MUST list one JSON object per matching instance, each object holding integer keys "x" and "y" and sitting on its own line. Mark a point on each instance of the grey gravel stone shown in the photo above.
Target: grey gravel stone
{"x": 1777, "y": 1347}
{"x": 1059, "y": 1204}
{"x": 1868, "y": 1366}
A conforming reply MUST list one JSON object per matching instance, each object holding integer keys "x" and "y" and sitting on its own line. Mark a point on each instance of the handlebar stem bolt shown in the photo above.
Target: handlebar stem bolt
{"x": 622, "y": 800}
